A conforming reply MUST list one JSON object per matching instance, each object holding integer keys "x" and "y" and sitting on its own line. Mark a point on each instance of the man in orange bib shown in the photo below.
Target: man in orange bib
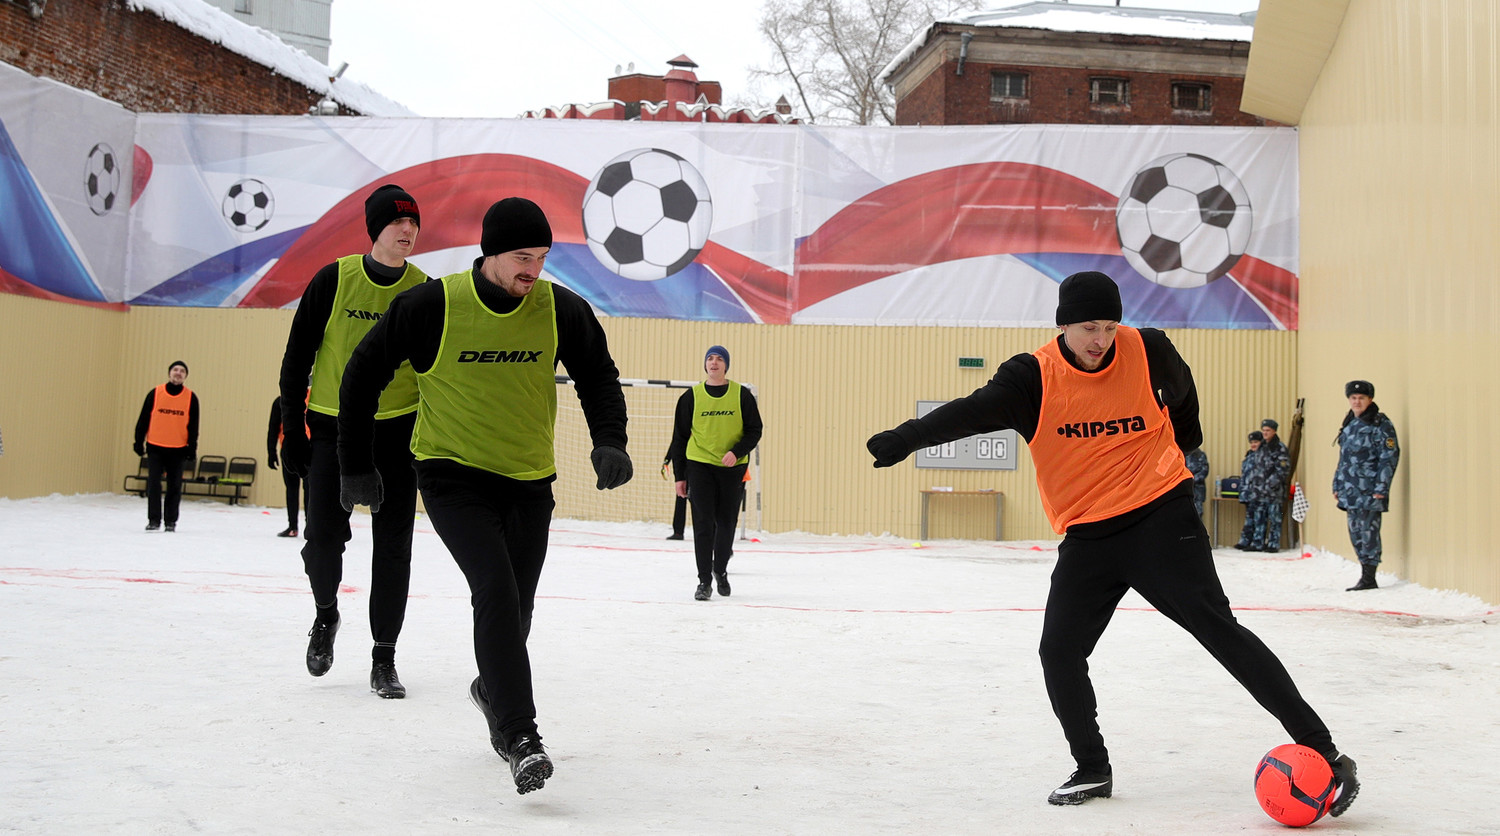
{"x": 167, "y": 435}
{"x": 1108, "y": 411}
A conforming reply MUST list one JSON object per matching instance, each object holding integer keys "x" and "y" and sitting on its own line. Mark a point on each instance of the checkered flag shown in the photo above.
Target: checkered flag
{"x": 1299, "y": 503}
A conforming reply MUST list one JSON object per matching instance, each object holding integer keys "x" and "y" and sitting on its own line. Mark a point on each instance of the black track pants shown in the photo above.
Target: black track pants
{"x": 496, "y": 530}
{"x": 714, "y": 492}
{"x": 164, "y": 461}
{"x": 1166, "y": 558}
{"x": 294, "y": 489}
{"x": 390, "y": 528}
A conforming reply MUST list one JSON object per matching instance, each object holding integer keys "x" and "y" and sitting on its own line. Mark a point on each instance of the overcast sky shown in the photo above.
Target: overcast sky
{"x": 480, "y": 58}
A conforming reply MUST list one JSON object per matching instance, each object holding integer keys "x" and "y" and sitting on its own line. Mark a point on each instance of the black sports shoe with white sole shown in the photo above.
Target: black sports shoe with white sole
{"x": 1345, "y": 781}
{"x": 384, "y": 681}
{"x": 530, "y": 766}
{"x": 703, "y": 592}
{"x": 320, "y": 646}
{"x": 1085, "y": 784}
{"x": 481, "y": 702}
{"x": 722, "y": 578}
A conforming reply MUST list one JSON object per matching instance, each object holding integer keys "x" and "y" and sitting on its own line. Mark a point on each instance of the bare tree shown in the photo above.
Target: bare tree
{"x": 831, "y": 52}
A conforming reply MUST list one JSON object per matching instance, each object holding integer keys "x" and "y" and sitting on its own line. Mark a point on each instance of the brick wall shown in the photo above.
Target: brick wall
{"x": 1060, "y": 95}
{"x": 142, "y": 62}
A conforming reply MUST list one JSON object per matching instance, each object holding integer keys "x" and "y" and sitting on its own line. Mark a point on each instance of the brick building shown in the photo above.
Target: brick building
{"x": 677, "y": 96}
{"x": 173, "y": 56}
{"x": 1061, "y": 63}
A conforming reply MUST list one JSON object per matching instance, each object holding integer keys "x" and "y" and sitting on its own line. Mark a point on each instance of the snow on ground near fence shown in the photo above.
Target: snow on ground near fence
{"x": 155, "y": 683}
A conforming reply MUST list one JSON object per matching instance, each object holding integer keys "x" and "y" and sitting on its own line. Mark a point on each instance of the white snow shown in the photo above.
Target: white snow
{"x": 217, "y": 26}
{"x": 155, "y": 683}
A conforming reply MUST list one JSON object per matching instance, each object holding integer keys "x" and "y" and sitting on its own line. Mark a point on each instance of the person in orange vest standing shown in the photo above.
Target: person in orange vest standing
{"x": 1108, "y": 412}
{"x": 167, "y": 435}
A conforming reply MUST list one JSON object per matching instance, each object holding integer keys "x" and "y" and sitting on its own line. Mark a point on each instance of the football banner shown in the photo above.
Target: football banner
{"x": 800, "y": 224}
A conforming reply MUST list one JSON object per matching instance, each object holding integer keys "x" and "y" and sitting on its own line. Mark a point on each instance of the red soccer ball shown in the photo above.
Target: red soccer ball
{"x": 1294, "y": 785}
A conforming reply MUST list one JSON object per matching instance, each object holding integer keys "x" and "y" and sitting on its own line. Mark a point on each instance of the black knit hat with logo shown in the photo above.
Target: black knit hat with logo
{"x": 386, "y": 204}
{"x": 1087, "y": 296}
{"x": 514, "y": 223}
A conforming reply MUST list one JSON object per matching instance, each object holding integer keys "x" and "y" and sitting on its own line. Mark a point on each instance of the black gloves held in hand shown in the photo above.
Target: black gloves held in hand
{"x": 357, "y": 489}
{"x": 139, "y": 448}
{"x": 612, "y": 466}
{"x": 295, "y": 454}
{"x": 888, "y": 448}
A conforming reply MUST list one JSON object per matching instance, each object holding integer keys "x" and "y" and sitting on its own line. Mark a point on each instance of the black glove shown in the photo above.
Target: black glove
{"x": 888, "y": 448}
{"x": 271, "y": 458}
{"x": 295, "y": 454}
{"x": 192, "y": 454}
{"x": 359, "y": 489}
{"x": 139, "y": 448}
{"x": 613, "y": 467}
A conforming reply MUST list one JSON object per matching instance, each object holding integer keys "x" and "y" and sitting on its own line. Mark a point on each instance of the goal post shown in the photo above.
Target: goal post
{"x": 648, "y": 497}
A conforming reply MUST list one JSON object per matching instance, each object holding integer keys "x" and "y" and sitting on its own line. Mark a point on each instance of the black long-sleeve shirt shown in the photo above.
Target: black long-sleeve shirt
{"x": 143, "y": 423}
{"x": 682, "y": 426}
{"x": 306, "y": 336}
{"x": 1012, "y": 400}
{"x": 412, "y": 329}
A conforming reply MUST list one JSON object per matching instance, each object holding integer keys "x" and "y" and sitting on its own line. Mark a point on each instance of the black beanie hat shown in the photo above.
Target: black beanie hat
{"x": 1359, "y": 387}
{"x": 514, "y": 223}
{"x": 1270, "y": 422}
{"x": 1257, "y": 437}
{"x": 1087, "y": 296}
{"x": 175, "y": 364}
{"x": 386, "y": 204}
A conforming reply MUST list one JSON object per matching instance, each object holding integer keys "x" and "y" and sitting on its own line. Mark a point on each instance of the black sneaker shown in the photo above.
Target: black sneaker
{"x": 530, "y": 766}
{"x": 153, "y": 526}
{"x": 171, "y": 526}
{"x": 674, "y": 536}
{"x": 1345, "y": 782}
{"x": 1085, "y": 784}
{"x": 723, "y": 579}
{"x": 703, "y": 592}
{"x": 290, "y": 532}
{"x": 320, "y": 646}
{"x": 385, "y": 683}
{"x": 481, "y": 702}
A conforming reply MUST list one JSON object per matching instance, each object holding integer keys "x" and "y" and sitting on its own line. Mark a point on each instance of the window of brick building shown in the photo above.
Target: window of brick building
{"x": 1007, "y": 86}
{"x": 1186, "y": 96}
{"x": 1109, "y": 91}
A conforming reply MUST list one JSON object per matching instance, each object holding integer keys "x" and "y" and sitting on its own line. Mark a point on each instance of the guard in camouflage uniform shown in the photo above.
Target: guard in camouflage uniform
{"x": 1253, "y": 495}
{"x": 1277, "y": 463}
{"x": 1368, "y": 455}
{"x": 1197, "y": 464}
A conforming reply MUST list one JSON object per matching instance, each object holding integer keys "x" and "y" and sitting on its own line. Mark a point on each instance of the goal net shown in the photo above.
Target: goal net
{"x": 648, "y": 497}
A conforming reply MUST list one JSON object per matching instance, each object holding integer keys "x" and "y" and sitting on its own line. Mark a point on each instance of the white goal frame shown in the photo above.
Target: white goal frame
{"x": 648, "y": 497}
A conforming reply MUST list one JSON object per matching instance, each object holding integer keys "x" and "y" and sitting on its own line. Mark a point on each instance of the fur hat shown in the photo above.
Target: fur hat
{"x": 1359, "y": 387}
{"x": 1270, "y": 422}
{"x": 1256, "y": 436}
{"x": 1087, "y": 296}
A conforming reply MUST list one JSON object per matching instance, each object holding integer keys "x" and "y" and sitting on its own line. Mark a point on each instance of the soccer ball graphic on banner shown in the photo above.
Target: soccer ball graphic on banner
{"x": 1184, "y": 220}
{"x": 248, "y": 205}
{"x": 1294, "y": 785}
{"x": 647, "y": 214}
{"x": 101, "y": 178}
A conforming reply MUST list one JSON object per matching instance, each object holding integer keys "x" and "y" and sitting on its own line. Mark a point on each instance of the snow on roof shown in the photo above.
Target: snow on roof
{"x": 217, "y": 26}
{"x": 1109, "y": 20}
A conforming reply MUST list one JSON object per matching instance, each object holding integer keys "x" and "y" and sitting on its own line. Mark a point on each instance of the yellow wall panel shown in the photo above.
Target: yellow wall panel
{"x": 1399, "y": 172}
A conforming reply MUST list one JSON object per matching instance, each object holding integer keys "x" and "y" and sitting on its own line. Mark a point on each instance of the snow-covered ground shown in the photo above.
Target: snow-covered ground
{"x": 155, "y": 683}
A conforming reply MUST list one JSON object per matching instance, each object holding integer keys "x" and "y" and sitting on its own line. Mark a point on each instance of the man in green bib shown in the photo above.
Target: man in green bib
{"x": 340, "y": 305}
{"x": 716, "y": 426}
{"x": 485, "y": 344}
